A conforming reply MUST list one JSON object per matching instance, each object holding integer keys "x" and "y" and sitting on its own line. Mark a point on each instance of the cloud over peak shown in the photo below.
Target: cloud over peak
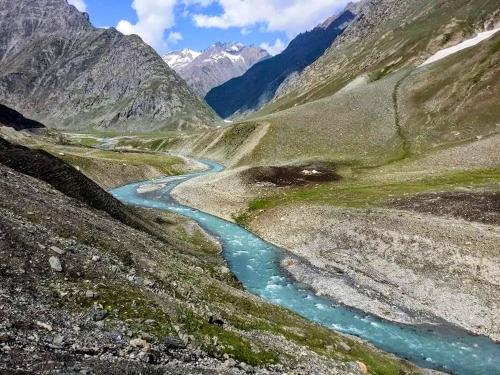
{"x": 154, "y": 18}
{"x": 290, "y": 16}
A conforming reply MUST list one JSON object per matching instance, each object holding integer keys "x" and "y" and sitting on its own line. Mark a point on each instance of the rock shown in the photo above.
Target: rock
{"x": 55, "y": 264}
{"x": 344, "y": 346}
{"x": 173, "y": 342}
{"x": 43, "y": 325}
{"x": 150, "y": 322}
{"x": 139, "y": 343}
{"x": 96, "y": 258}
{"x": 4, "y": 337}
{"x": 57, "y": 250}
{"x": 151, "y": 357}
{"x": 362, "y": 367}
{"x": 91, "y": 294}
{"x": 230, "y": 363}
{"x": 58, "y": 340}
{"x": 99, "y": 315}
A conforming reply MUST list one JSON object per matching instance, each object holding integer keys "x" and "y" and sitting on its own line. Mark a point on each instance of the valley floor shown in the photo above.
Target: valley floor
{"x": 89, "y": 284}
{"x": 414, "y": 241}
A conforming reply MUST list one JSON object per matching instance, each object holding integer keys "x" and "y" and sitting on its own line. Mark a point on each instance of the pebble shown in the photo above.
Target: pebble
{"x": 99, "y": 315}
{"x": 344, "y": 346}
{"x": 43, "y": 325}
{"x": 173, "y": 342}
{"x": 150, "y": 357}
{"x": 4, "y": 337}
{"x": 139, "y": 343}
{"x": 362, "y": 367}
{"x": 55, "y": 264}
{"x": 58, "y": 340}
{"x": 57, "y": 250}
{"x": 91, "y": 294}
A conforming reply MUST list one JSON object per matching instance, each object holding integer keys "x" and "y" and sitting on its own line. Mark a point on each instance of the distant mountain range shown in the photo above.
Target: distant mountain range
{"x": 56, "y": 68}
{"x": 259, "y": 84}
{"x": 216, "y": 65}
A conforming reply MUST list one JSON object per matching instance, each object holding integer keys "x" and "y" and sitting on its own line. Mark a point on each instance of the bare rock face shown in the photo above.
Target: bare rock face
{"x": 56, "y": 68}
{"x": 216, "y": 65}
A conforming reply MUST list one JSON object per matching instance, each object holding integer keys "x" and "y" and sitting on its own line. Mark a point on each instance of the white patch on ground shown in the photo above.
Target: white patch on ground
{"x": 356, "y": 82}
{"x": 461, "y": 46}
{"x": 149, "y": 188}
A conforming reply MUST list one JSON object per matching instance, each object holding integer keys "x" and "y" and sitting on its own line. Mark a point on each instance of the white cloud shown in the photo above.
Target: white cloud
{"x": 79, "y": 4}
{"x": 275, "y": 48}
{"x": 174, "y": 37}
{"x": 290, "y": 16}
{"x": 154, "y": 18}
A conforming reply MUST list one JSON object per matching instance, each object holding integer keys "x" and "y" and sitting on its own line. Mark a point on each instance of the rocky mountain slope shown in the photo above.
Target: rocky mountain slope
{"x": 259, "y": 84}
{"x": 83, "y": 291}
{"x": 386, "y": 37}
{"x": 214, "y": 66}
{"x": 56, "y": 68}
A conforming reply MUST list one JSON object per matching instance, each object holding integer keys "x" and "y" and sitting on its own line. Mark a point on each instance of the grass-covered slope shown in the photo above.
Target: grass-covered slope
{"x": 454, "y": 100}
{"x": 387, "y": 36}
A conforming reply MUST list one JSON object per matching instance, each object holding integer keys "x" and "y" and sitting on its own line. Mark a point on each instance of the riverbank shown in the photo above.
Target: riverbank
{"x": 256, "y": 264}
{"x": 399, "y": 261}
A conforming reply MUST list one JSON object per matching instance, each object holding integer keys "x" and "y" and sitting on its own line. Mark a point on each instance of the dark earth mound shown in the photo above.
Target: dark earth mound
{"x": 483, "y": 207}
{"x": 63, "y": 177}
{"x": 14, "y": 119}
{"x": 291, "y": 175}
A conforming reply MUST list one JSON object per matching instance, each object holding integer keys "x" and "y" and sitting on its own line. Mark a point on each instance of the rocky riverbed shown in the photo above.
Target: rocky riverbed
{"x": 400, "y": 264}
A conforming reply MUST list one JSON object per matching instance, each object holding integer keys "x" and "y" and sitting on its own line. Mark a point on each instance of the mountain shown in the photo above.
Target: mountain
{"x": 387, "y": 36}
{"x": 179, "y": 60}
{"x": 56, "y": 68}
{"x": 214, "y": 66}
{"x": 13, "y": 119}
{"x": 259, "y": 84}
{"x": 368, "y": 100}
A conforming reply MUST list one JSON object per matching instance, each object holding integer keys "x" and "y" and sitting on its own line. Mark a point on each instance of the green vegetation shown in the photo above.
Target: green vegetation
{"x": 113, "y": 168}
{"x": 362, "y": 194}
{"x": 125, "y": 303}
{"x": 169, "y": 165}
{"x": 395, "y": 44}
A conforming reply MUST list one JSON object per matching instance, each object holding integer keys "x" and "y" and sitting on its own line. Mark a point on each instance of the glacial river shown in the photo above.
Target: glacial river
{"x": 255, "y": 263}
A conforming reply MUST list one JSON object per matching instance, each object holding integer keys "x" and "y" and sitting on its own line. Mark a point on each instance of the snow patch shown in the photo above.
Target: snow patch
{"x": 461, "y": 46}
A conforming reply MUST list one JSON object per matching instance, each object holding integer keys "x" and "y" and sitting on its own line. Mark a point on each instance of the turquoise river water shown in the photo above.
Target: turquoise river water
{"x": 255, "y": 263}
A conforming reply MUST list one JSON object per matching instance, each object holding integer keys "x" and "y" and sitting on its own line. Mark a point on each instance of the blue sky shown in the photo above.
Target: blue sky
{"x": 175, "y": 24}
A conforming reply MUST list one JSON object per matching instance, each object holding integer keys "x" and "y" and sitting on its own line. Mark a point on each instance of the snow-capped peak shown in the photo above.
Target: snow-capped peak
{"x": 215, "y": 65}
{"x": 180, "y": 59}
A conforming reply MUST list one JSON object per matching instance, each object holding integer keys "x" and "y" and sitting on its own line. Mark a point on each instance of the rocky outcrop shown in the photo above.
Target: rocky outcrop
{"x": 216, "y": 65}
{"x": 58, "y": 69}
{"x": 259, "y": 84}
